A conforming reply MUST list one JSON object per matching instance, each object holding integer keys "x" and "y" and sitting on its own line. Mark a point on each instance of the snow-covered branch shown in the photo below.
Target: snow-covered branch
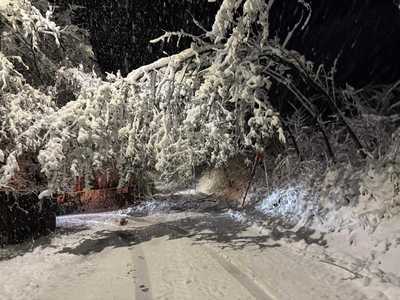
{"x": 199, "y": 107}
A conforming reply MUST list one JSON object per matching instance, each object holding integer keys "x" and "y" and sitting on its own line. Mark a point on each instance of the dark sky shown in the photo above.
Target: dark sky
{"x": 122, "y": 29}
{"x": 366, "y": 33}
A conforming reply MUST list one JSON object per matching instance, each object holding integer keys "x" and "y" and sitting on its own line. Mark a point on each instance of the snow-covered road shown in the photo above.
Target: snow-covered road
{"x": 167, "y": 256}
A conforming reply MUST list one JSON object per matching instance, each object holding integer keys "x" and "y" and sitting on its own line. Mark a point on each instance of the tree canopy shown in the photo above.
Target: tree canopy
{"x": 198, "y": 108}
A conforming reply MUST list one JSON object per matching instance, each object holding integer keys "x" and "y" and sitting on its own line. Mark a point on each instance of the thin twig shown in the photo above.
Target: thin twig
{"x": 253, "y": 172}
{"x": 356, "y": 275}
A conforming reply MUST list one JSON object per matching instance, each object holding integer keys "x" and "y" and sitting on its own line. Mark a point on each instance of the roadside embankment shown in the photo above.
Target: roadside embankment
{"x": 24, "y": 216}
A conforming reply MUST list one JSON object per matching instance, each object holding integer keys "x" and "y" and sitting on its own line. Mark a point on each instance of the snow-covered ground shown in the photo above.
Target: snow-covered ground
{"x": 363, "y": 238}
{"x": 181, "y": 256}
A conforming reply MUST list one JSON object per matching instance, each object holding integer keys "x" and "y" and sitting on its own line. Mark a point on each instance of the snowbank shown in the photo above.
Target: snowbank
{"x": 356, "y": 210}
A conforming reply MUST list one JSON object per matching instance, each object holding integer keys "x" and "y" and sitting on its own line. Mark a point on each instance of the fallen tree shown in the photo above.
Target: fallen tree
{"x": 233, "y": 93}
{"x": 199, "y": 107}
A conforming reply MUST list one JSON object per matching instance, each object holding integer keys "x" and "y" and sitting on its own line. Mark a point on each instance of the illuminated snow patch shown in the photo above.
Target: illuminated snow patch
{"x": 90, "y": 219}
{"x": 290, "y": 202}
{"x": 187, "y": 192}
{"x": 237, "y": 216}
{"x": 149, "y": 207}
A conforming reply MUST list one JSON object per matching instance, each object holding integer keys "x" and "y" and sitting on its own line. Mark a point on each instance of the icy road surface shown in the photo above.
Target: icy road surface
{"x": 166, "y": 256}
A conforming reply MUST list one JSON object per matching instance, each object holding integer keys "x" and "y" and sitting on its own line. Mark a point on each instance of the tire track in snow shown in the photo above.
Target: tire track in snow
{"x": 242, "y": 278}
{"x": 142, "y": 281}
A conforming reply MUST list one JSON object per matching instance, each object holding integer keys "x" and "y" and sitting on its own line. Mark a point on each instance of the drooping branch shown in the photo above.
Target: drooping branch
{"x": 298, "y": 67}
{"x": 177, "y": 60}
{"x": 306, "y": 104}
{"x": 293, "y": 138}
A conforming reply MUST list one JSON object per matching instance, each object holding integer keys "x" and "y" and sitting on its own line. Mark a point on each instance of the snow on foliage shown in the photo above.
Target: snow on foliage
{"x": 33, "y": 37}
{"x": 43, "y": 46}
{"x": 28, "y": 21}
{"x": 22, "y": 106}
{"x": 199, "y": 107}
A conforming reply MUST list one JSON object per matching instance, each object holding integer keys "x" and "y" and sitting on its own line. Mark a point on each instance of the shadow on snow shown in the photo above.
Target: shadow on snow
{"x": 219, "y": 229}
{"x": 11, "y": 251}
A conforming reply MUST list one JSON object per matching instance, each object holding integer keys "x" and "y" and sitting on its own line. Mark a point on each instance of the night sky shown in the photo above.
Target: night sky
{"x": 364, "y": 34}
